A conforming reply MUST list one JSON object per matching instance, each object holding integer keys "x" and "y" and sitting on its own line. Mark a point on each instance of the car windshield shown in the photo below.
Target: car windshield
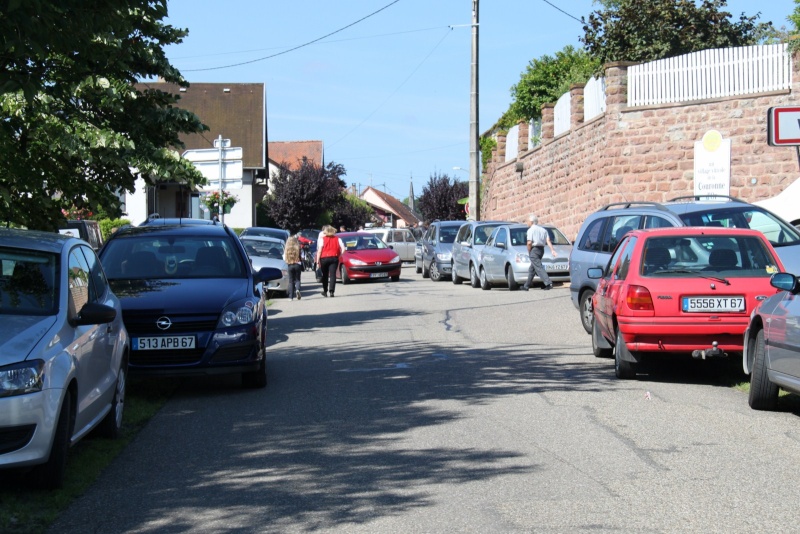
{"x": 264, "y": 249}
{"x": 361, "y": 242}
{"x": 708, "y": 255}
{"x": 447, "y": 234}
{"x": 556, "y": 237}
{"x": 483, "y": 232}
{"x": 748, "y": 216}
{"x": 174, "y": 256}
{"x": 28, "y": 282}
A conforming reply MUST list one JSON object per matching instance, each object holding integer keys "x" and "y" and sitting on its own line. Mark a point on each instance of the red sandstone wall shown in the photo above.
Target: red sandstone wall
{"x": 643, "y": 153}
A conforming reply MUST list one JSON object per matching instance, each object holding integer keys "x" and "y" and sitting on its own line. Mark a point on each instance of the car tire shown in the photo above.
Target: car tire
{"x": 417, "y": 268}
{"x": 425, "y": 272}
{"x": 585, "y": 307}
{"x": 485, "y": 285}
{"x": 433, "y": 270}
{"x": 111, "y": 425}
{"x": 601, "y": 348}
{"x": 622, "y": 368}
{"x": 474, "y": 279}
{"x": 345, "y": 278}
{"x": 256, "y": 379}
{"x": 454, "y": 277}
{"x": 50, "y": 475}
{"x": 396, "y": 278}
{"x": 512, "y": 283}
{"x": 763, "y": 393}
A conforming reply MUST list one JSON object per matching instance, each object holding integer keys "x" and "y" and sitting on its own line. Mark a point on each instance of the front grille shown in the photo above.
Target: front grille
{"x": 14, "y": 438}
{"x": 159, "y": 358}
{"x": 233, "y": 353}
{"x": 385, "y": 268}
{"x": 141, "y": 324}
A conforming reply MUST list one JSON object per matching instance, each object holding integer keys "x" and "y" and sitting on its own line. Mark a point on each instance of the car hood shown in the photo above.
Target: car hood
{"x": 200, "y": 295}
{"x": 370, "y": 255}
{"x": 20, "y": 333}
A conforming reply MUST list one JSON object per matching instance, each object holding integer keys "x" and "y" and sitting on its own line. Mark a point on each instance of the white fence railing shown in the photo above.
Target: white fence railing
{"x": 534, "y": 133}
{"x": 561, "y": 115}
{"x": 594, "y": 98}
{"x": 512, "y": 143}
{"x": 711, "y": 73}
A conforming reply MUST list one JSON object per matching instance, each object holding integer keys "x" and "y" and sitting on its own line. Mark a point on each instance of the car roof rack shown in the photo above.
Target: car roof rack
{"x": 623, "y": 205}
{"x": 690, "y": 198}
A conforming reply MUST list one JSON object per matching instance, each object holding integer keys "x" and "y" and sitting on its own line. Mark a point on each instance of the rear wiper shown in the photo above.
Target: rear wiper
{"x": 697, "y": 273}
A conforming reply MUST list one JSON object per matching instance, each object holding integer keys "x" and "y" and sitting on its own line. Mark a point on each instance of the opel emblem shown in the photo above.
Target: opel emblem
{"x": 163, "y": 323}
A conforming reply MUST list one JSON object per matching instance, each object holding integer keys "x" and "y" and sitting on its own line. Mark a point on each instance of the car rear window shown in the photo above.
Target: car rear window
{"x": 778, "y": 232}
{"x": 28, "y": 282}
{"x": 447, "y": 234}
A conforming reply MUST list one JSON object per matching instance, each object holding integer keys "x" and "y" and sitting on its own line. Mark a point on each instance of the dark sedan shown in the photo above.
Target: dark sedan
{"x": 190, "y": 301}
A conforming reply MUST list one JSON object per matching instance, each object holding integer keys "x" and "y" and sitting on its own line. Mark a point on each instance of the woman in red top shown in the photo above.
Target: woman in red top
{"x": 328, "y": 252}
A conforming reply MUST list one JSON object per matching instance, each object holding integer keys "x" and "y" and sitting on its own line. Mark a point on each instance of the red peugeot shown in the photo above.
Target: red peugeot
{"x": 367, "y": 258}
{"x": 686, "y": 290}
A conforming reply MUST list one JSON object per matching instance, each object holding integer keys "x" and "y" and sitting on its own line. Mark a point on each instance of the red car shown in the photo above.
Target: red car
{"x": 680, "y": 290}
{"x": 367, "y": 257}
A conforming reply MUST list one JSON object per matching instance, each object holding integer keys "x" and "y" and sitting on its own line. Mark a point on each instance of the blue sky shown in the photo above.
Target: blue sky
{"x": 388, "y": 96}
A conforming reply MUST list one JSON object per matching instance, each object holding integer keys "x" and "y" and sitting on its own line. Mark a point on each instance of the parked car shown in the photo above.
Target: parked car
{"x": 266, "y": 251}
{"x": 63, "y": 351}
{"x": 87, "y": 230}
{"x": 190, "y": 301}
{"x": 437, "y": 249}
{"x": 505, "y": 259}
{"x": 772, "y": 344}
{"x": 401, "y": 240}
{"x": 602, "y": 230}
{"x": 680, "y": 290}
{"x": 283, "y": 235}
{"x": 367, "y": 258}
{"x": 470, "y": 240}
{"x": 155, "y": 220}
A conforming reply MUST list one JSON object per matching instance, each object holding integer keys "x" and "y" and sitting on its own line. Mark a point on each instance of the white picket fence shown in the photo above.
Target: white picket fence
{"x": 594, "y": 98}
{"x": 711, "y": 73}
{"x": 561, "y": 115}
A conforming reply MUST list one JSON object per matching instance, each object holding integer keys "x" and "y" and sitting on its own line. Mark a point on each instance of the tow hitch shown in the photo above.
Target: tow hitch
{"x": 713, "y": 352}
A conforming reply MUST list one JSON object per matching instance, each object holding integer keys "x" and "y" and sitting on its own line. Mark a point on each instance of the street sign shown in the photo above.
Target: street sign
{"x": 212, "y": 154}
{"x": 783, "y": 126}
{"x": 231, "y": 173}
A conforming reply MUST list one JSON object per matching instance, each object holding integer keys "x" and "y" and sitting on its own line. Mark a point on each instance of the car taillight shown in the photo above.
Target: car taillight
{"x": 639, "y": 299}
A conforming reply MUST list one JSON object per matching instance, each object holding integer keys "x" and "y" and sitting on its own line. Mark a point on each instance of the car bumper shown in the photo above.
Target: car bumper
{"x": 374, "y": 272}
{"x": 444, "y": 267}
{"x": 683, "y": 334}
{"x": 521, "y": 275}
{"x": 27, "y": 423}
{"x": 281, "y": 284}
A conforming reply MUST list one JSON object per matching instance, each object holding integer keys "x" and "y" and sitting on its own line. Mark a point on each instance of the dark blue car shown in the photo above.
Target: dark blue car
{"x": 191, "y": 301}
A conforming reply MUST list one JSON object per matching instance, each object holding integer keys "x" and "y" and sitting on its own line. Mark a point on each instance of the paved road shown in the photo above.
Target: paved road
{"x": 427, "y": 407}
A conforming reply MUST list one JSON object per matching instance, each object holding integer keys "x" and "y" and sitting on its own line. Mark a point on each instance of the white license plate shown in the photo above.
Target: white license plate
{"x": 378, "y": 275}
{"x": 713, "y": 304}
{"x": 556, "y": 266}
{"x": 163, "y": 343}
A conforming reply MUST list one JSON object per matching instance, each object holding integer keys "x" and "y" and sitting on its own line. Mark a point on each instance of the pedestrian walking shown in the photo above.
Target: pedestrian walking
{"x": 328, "y": 259}
{"x": 537, "y": 239}
{"x": 294, "y": 264}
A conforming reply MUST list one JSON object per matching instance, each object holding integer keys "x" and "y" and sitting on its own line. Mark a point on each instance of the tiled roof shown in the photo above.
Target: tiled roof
{"x": 292, "y": 152}
{"x": 395, "y": 206}
{"x": 234, "y": 110}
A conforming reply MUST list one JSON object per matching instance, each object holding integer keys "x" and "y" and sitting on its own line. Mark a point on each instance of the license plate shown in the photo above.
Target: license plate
{"x": 163, "y": 343}
{"x": 713, "y": 304}
{"x": 556, "y": 266}
{"x": 378, "y": 275}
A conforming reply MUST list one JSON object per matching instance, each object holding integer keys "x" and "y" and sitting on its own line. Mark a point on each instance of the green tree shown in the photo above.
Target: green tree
{"x": 351, "y": 212}
{"x": 300, "y": 198}
{"x": 73, "y": 129}
{"x": 794, "y": 31}
{"x": 631, "y": 30}
{"x": 439, "y": 199}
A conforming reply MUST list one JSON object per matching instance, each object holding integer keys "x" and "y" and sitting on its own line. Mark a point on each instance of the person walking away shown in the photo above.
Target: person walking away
{"x": 328, "y": 259}
{"x": 291, "y": 256}
{"x": 537, "y": 239}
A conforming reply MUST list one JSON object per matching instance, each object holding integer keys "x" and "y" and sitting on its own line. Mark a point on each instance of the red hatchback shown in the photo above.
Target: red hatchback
{"x": 680, "y": 290}
{"x": 367, "y": 257}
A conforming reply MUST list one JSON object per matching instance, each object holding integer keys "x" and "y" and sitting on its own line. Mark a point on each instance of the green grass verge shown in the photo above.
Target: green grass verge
{"x": 28, "y": 511}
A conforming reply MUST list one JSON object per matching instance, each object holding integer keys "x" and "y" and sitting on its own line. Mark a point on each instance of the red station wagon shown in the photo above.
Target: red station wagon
{"x": 686, "y": 290}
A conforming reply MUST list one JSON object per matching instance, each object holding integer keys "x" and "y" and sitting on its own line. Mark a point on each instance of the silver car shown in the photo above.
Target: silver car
{"x": 401, "y": 240}
{"x": 63, "y": 351}
{"x": 470, "y": 240}
{"x": 265, "y": 251}
{"x": 505, "y": 260}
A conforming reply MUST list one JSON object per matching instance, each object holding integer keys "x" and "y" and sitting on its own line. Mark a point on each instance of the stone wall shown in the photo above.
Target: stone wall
{"x": 635, "y": 154}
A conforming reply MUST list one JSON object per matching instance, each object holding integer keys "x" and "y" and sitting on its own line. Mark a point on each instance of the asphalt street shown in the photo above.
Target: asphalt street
{"x": 417, "y": 406}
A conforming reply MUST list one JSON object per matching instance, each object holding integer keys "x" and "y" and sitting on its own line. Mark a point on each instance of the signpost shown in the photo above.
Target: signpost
{"x": 221, "y": 165}
{"x": 783, "y": 126}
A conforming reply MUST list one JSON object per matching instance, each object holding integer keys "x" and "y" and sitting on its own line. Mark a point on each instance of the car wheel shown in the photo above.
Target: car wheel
{"x": 417, "y": 268}
{"x": 112, "y": 423}
{"x": 256, "y": 379}
{"x": 763, "y": 393}
{"x": 474, "y": 280}
{"x": 601, "y": 348}
{"x": 425, "y": 272}
{"x": 454, "y": 277}
{"x": 345, "y": 278}
{"x": 436, "y": 276}
{"x": 50, "y": 475}
{"x": 485, "y": 285}
{"x": 622, "y": 368}
{"x": 587, "y": 315}
{"x": 512, "y": 283}
{"x": 396, "y": 278}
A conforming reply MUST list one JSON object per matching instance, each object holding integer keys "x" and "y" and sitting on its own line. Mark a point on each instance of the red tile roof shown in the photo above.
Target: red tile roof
{"x": 395, "y": 206}
{"x": 292, "y": 152}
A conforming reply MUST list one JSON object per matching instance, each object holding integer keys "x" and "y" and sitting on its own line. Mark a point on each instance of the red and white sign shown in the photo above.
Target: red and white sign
{"x": 783, "y": 126}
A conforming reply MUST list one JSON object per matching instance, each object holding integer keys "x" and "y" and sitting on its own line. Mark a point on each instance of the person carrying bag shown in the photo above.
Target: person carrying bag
{"x": 328, "y": 259}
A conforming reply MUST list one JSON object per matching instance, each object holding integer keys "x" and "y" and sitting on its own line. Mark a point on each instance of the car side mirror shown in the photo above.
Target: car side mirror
{"x": 391, "y": 246}
{"x": 594, "y": 273}
{"x": 94, "y": 313}
{"x": 500, "y": 245}
{"x": 785, "y": 282}
{"x": 267, "y": 274}
{"x": 465, "y": 244}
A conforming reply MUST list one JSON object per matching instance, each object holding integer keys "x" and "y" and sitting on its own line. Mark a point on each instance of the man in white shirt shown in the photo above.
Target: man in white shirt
{"x": 537, "y": 239}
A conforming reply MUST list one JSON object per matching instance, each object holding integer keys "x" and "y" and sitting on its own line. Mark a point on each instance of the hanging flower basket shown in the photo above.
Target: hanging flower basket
{"x": 212, "y": 201}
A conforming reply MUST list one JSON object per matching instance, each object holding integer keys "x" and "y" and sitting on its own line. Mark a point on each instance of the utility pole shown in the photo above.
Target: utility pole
{"x": 474, "y": 154}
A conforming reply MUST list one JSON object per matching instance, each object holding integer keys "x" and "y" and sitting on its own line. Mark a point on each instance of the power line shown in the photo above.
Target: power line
{"x": 564, "y": 12}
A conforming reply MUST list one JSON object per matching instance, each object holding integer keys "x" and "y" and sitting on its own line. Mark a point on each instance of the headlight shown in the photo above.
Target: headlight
{"x": 238, "y": 314}
{"x": 354, "y": 261}
{"x": 396, "y": 259}
{"x": 21, "y": 378}
{"x": 444, "y": 256}
{"x": 522, "y": 258}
